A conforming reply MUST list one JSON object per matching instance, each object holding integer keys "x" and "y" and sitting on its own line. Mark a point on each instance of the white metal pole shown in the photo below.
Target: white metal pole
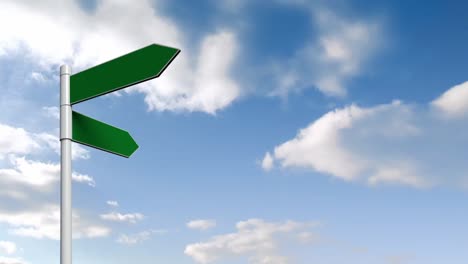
{"x": 65, "y": 167}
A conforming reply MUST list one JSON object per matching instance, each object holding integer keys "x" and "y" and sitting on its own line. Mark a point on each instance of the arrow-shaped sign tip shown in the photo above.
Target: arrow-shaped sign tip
{"x": 133, "y": 146}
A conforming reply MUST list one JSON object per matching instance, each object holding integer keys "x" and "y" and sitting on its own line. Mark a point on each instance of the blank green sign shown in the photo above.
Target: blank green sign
{"x": 97, "y": 134}
{"x": 139, "y": 66}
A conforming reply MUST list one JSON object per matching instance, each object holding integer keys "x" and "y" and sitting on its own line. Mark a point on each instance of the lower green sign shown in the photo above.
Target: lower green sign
{"x": 96, "y": 134}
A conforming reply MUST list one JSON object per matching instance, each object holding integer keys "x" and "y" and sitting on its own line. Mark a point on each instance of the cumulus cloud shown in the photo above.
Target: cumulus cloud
{"x": 321, "y": 146}
{"x": 15, "y": 140}
{"x": 118, "y": 217}
{"x": 396, "y": 143}
{"x": 454, "y": 102}
{"x": 201, "y": 224}
{"x": 255, "y": 239}
{"x": 208, "y": 89}
{"x": 198, "y": 80}
{"x": 30, "y": 172}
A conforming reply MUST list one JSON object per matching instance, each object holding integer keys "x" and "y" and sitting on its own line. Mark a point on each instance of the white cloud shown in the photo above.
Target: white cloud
{"x": 337, "y": 53}
{"x": 113, "y": 203}
{"x": 92, "y": 231}
{"x": 400, "y": 174}
{"x": 16, "y": 141}
{"x": 5, "y": 260}
{"x": 30, "y": 172}
{"x": 37, "y": 174}
{"x": 44, "y": 223}
{"x": 38, "y": 77}
{"x": 308, "y": 237}
{"x": 8, "y": 247}
{"x": 454, "y": 102}
{"x": 52, "y": 111}
{"x": 324, "y": 145}
{"x": 53, "y": 142}
{"x": 195, "y": 81}
{"x": 29, "y": 182}
{"x": 201, "y": 224}
{"x": 118, "y": 217}
{"x": 267, "y": 162}
{"x": 78, "y": 152}
{"x": 255, "y": 239}
{"x": 208, "y": 90}
{"x": 317, "y": 146}
{"x": 82, "y": 178}
{"x": 396, "y": 143}
{"x": 138, "y": 237}
{"x": 269, "y": 260}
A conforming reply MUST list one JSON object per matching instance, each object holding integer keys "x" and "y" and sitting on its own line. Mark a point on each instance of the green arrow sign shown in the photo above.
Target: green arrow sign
{"x": 139, "y": 66}
{"x": 96, "y": 134}
{"x": 136, "y": 67}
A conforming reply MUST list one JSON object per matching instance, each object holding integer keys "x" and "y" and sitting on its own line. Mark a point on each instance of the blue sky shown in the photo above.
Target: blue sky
{"x": 284, "y": 132}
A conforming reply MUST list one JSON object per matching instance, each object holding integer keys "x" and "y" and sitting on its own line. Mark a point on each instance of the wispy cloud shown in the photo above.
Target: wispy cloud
{"x": 329, "y": 59}
{"x": 138, "y": 237}
{"x": 82, "y": 178}
{"x": 201, "y": 224}
{"x": 113, "y": 203}
{"x": 118, "y": 217}
{"x": 5, "y": 260}
{"x": 255, "y": 239}
{"x": 38, "y": 77}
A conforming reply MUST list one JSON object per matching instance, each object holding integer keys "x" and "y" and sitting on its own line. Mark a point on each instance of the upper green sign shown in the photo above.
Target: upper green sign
{"x": 138, "y": 66}
{"x": 96, "y": 134}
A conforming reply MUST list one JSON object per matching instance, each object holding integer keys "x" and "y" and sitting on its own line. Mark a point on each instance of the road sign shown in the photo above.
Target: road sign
{"x": 141, "y": 65}
{"x": 96, "y": 134}
{"x": 133, "y": 68}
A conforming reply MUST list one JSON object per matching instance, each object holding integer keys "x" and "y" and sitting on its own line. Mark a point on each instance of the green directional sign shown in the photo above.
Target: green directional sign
{"x": 138, "y": 66}
{"x": 94, "y": 133}
{"x": 133, "y": 68}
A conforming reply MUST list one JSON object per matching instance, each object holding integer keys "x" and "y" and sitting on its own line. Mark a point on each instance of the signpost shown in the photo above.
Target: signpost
{"x": 133, "y": 68}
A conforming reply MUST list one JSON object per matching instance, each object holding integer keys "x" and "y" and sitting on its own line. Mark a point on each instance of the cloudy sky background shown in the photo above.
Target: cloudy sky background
{"x": 284, "y": 132}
